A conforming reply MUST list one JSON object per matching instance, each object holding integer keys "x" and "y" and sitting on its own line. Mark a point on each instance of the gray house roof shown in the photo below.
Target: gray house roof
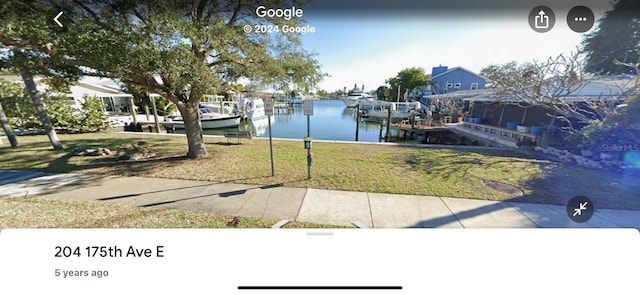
{"x": 460, "y": 68}
{"x": 466, "y": 95}
{"x": 597, "y": 88}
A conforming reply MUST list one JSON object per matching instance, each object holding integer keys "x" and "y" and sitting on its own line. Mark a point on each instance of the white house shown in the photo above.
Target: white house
{"x": 114, "y": 100}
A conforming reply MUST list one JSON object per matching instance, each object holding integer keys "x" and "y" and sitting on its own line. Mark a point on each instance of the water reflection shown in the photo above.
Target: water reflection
{"x": 259, "y": 127}
{"x": 349, "y": 112}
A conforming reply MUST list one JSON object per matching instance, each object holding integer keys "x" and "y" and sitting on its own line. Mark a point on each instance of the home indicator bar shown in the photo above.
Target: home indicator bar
{"x": 319, "y": 287}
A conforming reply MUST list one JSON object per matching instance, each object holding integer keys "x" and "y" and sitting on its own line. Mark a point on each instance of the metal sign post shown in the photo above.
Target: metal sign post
{"x": 307, "y": 108}
{"x": 357, "y": 120}
{"x": 268, "y": 110}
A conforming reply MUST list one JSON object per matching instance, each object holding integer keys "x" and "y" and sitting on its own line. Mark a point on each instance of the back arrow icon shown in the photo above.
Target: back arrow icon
{"x": 55, "y": 19}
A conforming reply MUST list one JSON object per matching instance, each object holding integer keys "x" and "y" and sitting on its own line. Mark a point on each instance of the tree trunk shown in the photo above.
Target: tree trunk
{"x": 193, "y": 129}
{"x": 36, "y": 98}
{"x": 7, "y": 128}
{"x": 155, "y": 113}
{"x": 132, "y": 108}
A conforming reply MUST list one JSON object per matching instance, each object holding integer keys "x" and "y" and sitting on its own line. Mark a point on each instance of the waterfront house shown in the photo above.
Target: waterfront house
{"x": 595, "y": 90}
{"x": 113, "y": 99}
{"x": 445, "y": 80}
{"x": 498, "y": 115}
{"x": 420, "y": 93}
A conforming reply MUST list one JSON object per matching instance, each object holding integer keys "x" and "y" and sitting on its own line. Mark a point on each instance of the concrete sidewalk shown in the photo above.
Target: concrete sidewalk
{"x": 307, "y": 205}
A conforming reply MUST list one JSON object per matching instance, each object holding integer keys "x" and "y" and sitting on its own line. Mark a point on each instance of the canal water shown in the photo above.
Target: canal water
{"x": 331, "y": 120}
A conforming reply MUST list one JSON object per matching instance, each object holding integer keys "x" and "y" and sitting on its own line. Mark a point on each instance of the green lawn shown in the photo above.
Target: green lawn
{"x": 17, "y": 212}
{"x": 357, "y": 167}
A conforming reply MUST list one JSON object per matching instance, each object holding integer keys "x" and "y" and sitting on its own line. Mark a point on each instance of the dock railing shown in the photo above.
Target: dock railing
{"x": 419, "y": 123}
{"x": 502, "y": 133}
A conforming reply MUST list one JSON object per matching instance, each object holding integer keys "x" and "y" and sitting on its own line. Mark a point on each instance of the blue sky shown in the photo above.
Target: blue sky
{"x": 366, "y": 42}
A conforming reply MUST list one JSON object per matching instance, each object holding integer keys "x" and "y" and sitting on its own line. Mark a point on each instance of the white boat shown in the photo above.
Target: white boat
{"x": 399, "y": 111}
{"x": 356, "y": 97}
{"x": 223, "y": 107}
{"x": 368, "y": 106}
{"x": 298, "y": 99}
{"x": 252, "y": 108}
{"x": 209, "y": 119}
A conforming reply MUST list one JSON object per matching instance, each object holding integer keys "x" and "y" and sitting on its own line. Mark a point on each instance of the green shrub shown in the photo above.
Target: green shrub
{"x": 17, "y": 105}
{"x": 61, "y": 114}
{"x": 93, "y": 119}
{"x": 618, "y": 133}
{"x": 90, "y": 118}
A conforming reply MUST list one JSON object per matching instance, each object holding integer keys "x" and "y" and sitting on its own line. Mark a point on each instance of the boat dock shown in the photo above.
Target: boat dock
{"x": 495, "y": 135}
{"x": 149, "y": 126}
{"x": 406, "y": 130}
{"x": 282, "y": 108}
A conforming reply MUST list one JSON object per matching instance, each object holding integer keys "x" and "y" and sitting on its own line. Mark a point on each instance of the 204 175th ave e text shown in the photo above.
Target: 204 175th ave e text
{"x": 109, "y": 251}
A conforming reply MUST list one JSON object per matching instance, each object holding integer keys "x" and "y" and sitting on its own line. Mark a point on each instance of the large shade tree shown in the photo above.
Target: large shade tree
{"x": 617, "y": 37}
{"x": 30, "y": 46}
{"x": 183, "y": 50}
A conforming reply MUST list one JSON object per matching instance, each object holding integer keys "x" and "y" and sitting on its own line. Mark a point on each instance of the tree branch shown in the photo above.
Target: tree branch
{"x": 139, "y": 16}
{"x": 13, "y": 43}
{"x": 236, "y": 12}
{"x": 222, "y": 61}
{"x": 94, "y": 15}
{"x": 199, "y": 10}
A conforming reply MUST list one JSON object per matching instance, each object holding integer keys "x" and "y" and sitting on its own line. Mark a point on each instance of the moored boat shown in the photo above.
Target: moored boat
{"x": 298, "y": 99}
{"x": 356, "y": 97}
{"x": 209, "y": 119}
{"x": 399, "y": 111}
{"x": 223, "y": 107}
{"x": 252, "y": 108}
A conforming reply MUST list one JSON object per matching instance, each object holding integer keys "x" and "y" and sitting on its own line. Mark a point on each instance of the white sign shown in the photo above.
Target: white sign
{"x": 268, "y": 107}
{"x": 307, "y": 107}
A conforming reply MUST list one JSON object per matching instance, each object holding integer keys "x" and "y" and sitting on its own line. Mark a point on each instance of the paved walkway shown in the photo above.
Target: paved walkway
{"x": 307, "y": 205}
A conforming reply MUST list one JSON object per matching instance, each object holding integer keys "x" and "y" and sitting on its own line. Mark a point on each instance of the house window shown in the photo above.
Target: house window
{"x": 457, "y": 85}
{"x": 474, "y": 86}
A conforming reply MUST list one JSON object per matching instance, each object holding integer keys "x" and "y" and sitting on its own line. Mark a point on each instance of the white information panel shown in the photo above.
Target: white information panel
{"x": 268, "y": 107}
{"x": 307, "y": 107}
{"x": 319, "y": 261}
